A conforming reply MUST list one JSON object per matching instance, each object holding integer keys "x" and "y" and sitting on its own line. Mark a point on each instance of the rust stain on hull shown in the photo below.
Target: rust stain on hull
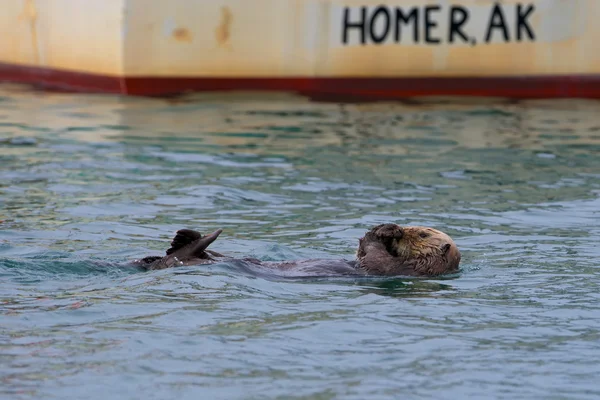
{"x": 29, "y": 14}
{"x": 223, "y": 30}
{"x": 182, "y": 35}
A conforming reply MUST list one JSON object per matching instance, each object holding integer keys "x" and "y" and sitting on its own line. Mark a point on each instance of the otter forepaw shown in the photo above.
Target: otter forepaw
{"x": 385, "y": 231}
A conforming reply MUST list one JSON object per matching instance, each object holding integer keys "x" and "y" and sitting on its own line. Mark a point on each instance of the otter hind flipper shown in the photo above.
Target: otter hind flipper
{"x": 198, "y": 246}
{"x": 188, "y": 242}
{"x": 182, "y": 238}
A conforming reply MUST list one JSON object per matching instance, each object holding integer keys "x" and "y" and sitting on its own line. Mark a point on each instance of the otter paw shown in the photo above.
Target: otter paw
{"x": 388, "y": 231}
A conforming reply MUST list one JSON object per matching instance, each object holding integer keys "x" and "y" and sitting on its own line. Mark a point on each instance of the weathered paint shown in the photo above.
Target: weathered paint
{"x": 283, "y": 38}
{"x": 75, "y": 35}
{"x": 298, "y": 40}
{"x": 230, "y": 38}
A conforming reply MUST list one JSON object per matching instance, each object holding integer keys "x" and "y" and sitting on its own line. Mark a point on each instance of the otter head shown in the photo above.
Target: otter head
{"x": 390, "y": 249}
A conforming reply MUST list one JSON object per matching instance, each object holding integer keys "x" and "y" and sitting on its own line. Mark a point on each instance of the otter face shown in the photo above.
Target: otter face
{"x": 390, "y": 249}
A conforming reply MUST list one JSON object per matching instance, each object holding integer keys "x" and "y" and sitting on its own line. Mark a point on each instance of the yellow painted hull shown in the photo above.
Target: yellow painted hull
{"x": 377, "y": 48}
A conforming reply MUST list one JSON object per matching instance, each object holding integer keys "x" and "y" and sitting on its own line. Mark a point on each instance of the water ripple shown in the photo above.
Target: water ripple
{"x": 88, "y": 183}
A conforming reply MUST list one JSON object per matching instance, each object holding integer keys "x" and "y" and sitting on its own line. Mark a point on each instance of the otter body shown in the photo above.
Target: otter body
{"x": 385, "y": 250}
{"x": 316, "y": 268}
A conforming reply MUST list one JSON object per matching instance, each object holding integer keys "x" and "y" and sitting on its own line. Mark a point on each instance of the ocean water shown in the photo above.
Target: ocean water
{"x": 90, "y": 182}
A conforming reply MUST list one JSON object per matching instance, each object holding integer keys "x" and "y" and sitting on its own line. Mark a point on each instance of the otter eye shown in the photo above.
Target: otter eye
{"x": 423, "y": 235}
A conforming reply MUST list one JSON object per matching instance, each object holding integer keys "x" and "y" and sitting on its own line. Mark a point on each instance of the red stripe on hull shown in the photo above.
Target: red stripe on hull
{"x": 60, "y": 79}
{"x": 521, "y": 87}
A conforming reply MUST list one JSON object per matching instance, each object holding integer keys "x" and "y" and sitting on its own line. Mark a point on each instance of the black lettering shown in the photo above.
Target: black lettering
{"x": 412, "y": 15}
{"x": 359, "y": 25}
{"x": 381, "y": 10}
{"x": 429, "y": 24}
{"x": 496, "y": 24}
{"x": 458, "y": 17}
{"x": 523, "y": 23}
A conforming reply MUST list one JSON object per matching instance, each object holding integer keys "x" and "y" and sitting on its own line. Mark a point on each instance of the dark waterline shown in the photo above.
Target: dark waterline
{"x": 88, "y": 183}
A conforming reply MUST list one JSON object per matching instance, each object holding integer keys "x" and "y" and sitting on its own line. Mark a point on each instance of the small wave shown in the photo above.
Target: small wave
{"x": 32, "y": 270}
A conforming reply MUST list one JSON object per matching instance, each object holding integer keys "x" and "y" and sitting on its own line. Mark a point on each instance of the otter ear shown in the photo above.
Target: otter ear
{"x": 445, "y": 248}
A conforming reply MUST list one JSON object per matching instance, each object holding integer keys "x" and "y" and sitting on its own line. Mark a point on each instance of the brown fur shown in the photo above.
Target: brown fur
{"x": 187, "y": 248}
{"x": 390, "y": 249}
{"x": 386, "y": 249}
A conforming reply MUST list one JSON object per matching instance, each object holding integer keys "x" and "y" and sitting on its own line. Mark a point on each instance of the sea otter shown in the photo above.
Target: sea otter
{"x": 385, "y": 250}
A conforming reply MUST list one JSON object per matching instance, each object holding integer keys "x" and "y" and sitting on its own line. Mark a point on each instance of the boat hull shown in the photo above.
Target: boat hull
{"x": 322, "y": 48}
